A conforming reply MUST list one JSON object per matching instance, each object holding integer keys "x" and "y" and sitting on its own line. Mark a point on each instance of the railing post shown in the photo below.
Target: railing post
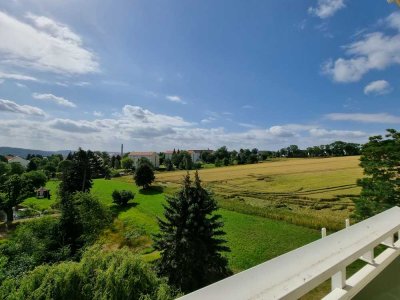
{"x": 389, "y": 241}
{"x": 338, "y": 281}
{"x": 368, "y": 257}
{"x": 323, "y": 232}
{"x": 347, "y": 222}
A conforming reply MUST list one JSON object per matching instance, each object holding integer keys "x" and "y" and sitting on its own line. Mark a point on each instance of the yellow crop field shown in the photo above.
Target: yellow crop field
{"x": 312, "y": 192}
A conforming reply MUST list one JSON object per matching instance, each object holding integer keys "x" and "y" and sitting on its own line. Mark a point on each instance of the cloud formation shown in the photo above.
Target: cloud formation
{"x": 373, "y": 51}
{"x": 176, "y": 99}
{"x": 12, "y": 107}
{"x": 141, "y": 129}
{"x": 16, "y": 76}
{"x": 326, "y": 8}
{"x": 378, "y": 87}
{"x": 383, "y": 118}
{"x": 55, "y": 99}
{"x": 45, "y": 45}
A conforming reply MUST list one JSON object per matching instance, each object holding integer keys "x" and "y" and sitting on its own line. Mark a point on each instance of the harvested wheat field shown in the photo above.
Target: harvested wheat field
{"x": 313, "y": 192}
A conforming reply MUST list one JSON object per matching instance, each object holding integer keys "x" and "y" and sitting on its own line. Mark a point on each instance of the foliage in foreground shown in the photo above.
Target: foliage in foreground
{"x": 99, "y": 275}
{"x": 190, "y": 240}
{"x": 380, "y": 160}
{"x": 50, "y": 240}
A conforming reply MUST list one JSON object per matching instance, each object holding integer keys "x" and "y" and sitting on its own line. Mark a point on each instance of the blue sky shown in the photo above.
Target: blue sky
{"x": 157, "y": 75}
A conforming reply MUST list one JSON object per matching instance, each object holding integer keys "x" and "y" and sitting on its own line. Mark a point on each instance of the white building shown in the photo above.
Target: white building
{"x": 17, "y": 159}
{"x": 195, "y": 154}
{"x": 151, "y": 156}
{"x": 168, "y": 154}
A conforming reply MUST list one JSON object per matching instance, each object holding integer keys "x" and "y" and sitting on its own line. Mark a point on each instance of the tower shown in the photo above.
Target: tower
{"x": 122, "y": 150}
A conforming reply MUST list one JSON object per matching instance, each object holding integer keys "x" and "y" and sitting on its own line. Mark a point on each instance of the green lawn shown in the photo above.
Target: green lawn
{"x": 252, "y": 239}
{"x": 44, "y": 204}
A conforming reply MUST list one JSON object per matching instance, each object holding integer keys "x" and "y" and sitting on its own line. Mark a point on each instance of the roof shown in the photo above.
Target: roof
{"x": 9, "y": 157}
{"x": 142, "y": 153}
{"x": 190, "y": 151}
{"x": 169, "y": 151}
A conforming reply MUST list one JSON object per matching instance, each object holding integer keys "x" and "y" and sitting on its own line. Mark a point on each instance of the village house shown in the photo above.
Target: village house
{"x": 168, "y": 154}
{"x": 195, "y": 154}
{"x": 17, "y": 159}
{"x": 153, "y": 157}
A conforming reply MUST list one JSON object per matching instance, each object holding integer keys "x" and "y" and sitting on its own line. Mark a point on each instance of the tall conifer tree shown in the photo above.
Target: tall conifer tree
{"x": 190, "y": 240}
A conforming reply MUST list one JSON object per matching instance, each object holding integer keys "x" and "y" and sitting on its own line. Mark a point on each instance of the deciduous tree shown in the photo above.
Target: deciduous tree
{"x": 380, "y": 189}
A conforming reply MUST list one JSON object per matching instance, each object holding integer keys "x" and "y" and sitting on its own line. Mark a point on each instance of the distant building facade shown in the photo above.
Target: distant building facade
{"x": 195, "y": 154}
{"x": 17, "y": 159}
{"x": 153, "y": 157}
{"x": 168, "y": 154}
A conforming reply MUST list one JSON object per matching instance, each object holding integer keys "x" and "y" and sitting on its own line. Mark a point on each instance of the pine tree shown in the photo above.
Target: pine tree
{"x": 78, "y": 175}
{"x": 190, "y": 240}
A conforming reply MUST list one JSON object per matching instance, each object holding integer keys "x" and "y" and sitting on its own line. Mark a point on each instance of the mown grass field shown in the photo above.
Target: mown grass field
{"x": 311, "y": 192}
{"x": 252, "y": 239}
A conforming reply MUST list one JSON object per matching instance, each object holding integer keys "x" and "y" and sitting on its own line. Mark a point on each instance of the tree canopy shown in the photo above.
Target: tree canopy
{"x": 380, "y": 189}
{"x": 144, "y": 175}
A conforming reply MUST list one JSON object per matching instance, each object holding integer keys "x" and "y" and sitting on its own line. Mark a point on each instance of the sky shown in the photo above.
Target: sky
{"x": 157, "y": 75}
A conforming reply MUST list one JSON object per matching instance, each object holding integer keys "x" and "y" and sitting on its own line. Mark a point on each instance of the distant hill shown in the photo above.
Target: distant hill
{"x": 24, "y": 152}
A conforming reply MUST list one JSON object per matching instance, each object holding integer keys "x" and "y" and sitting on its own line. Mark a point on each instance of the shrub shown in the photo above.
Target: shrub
{"x": 122, "y": 197}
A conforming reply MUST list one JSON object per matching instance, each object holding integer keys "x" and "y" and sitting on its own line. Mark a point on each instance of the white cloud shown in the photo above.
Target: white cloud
{"x": 108, "y": 134}
{"x": 373, "y": 51}
{"x": 378, "y": 87}
{"x": 147, "y": 117}
{"x": 141, "y": 129}
{"x": 45, "y": 45}
{"x": 55, "y": 29}
{"x": 280, "y": 131}
{"x": 74, "y": 126}
{"x": 11, "y": 106}
{"x": 55, "y": 99}
{"x": 383, "y": 118}
{"x": 98, "y": 113}
{"x": 82, "y": 83}
{"x": 393, "y": 20}
{"x": 21, "y": 85}
{"x": 337, "y": 134}
{"x": 176, "y": 99}
{"x": 247, "y": 125}
{"x": 208, "y": 120}
{"x": 326, "y": 8}
{"x": 16, "y": 76}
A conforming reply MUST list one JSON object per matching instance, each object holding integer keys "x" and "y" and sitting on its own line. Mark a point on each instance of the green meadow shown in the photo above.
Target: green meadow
{"x": 252, "y": 239}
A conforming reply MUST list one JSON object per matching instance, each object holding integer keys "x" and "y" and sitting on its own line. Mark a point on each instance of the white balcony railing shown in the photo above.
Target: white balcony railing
{"x": 295, "y": 273}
